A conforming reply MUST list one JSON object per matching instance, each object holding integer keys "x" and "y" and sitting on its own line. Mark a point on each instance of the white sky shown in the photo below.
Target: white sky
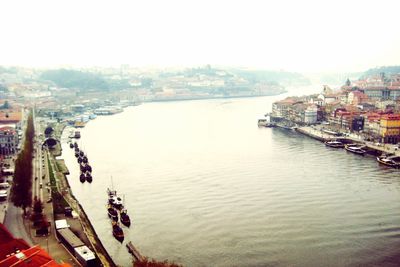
{"x": 293, "y": 35}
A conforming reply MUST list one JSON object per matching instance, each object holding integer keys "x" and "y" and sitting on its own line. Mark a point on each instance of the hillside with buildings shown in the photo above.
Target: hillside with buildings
{"x": 369, "y": 106}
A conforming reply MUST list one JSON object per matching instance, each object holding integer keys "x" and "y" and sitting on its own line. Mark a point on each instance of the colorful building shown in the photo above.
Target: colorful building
{"x": 390, "y": 128}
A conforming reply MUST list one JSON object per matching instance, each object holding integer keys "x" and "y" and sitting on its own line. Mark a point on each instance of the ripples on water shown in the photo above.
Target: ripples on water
{"x": 206, "y": 187}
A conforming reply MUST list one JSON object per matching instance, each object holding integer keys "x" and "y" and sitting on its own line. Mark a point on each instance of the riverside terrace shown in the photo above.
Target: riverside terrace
{"x": 372, "y": 148}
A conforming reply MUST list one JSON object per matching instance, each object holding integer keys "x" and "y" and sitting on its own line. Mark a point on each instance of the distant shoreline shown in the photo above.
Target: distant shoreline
{"x": 215, "y": 97}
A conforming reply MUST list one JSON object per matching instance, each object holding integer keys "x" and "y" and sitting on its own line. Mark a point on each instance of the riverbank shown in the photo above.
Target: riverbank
{"x": 87, "y": 227}
{"x": 320, "y": 135}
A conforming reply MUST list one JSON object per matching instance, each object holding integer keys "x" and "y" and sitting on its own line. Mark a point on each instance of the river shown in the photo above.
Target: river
{"x": 205, "y": 186}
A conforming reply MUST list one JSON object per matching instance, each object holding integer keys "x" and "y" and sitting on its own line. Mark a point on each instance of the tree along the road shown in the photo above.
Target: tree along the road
{"x": 21, "y": 192}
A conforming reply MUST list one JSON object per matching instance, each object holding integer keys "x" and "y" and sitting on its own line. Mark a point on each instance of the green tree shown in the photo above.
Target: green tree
{"x": 21, "y": 192}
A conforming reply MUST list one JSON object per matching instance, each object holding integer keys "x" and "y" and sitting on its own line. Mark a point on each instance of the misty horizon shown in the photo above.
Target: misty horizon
{"x": 306, "y": 36}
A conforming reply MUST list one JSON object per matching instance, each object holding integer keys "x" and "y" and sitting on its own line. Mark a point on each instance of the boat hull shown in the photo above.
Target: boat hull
{"x": 355, "y": 150}
{"x": 388, "y": 163}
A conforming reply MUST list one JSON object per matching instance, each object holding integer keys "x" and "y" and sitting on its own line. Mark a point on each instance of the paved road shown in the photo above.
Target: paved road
{"x": 15, "y": 223}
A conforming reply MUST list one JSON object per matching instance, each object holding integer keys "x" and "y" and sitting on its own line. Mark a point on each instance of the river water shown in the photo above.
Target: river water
{"x": 205, "y": 186}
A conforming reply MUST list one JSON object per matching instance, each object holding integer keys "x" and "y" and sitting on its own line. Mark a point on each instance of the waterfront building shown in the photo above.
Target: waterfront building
{"x": 390, "y": 128}
{"x": 11, "y": 117}
{"x": 343, "y": 118}
{"x": 311, "y": 114}
{"x": 8, "y": 140}
{"x": 281, "y": 108}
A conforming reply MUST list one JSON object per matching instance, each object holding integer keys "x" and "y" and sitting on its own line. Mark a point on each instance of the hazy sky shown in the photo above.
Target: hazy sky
{"x": 292, "y": 35}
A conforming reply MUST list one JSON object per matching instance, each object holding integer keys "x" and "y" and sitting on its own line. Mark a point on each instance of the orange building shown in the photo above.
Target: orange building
{"x": 390, "y": 128}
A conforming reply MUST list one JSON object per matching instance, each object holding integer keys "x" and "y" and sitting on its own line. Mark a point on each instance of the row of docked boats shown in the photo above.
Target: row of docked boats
{"x": 117, "y": 212}
{"x": 387, "y": 160}
{"x": 84, "y": 166}
{"x": 354, "y": 148}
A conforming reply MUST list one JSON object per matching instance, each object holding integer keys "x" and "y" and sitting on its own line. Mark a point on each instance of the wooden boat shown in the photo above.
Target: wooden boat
{"x": 82, "y": 178}
{"x": 88, "y": 168}
{"x": 76, "y": 155}
{"x": 125, "y": 220}
{"x": 89, "y": 177}
{"x": 355, "y": 149}
{"x": 82, "y": 167}
{"x": 113, "y": 199}
{"x": 112, "y": 213}
{"x": 85, "y": 159}
{"x": 81, "y": 153}
{"x": 76, "y": 145}
{"x": 71, "y": 145}
{"x": 334, "y": 144}
{"x": 117, "y": 231}
{"x": 387, "y": 162}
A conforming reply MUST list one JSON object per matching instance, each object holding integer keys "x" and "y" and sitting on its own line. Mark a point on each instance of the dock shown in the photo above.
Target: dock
{"x": 132, "y": 249}
{"x": 372, "y": 148}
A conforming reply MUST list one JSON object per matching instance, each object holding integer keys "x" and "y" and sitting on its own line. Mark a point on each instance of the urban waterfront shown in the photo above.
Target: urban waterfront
{"x": 204, "y": 186}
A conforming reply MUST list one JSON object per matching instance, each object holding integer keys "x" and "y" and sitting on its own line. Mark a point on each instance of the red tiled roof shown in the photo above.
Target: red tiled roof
{"x": 17, "y": 253}
{"x": 10, "y": 116}
{"x": 391, "y": 117}
{"x": 34, "y": 257}
{"x": 8, "y": 244}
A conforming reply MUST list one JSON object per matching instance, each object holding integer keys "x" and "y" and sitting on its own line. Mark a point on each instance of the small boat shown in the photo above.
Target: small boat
{"x": 81, "y": 153}
{"x": 85, "y": 159}
{"x": 82, "y": 178}
{"x": 89, "y": 177}
{"x": 113, "y": 199}
{"x": 88, "y": 168}
{"x": 334, "y": 143}
{"x": 71, "y": 145}
{"x": 76, "y": 155}
{"x": 388, "y": 162}
{"x": 265, "y": 123}
{"x": 125, "y": 220}
{"x": 79, "y": 160}
{"x": 76, "y": 145}
{"x": 83, "y": 168}
{"x": 117, "y": 232}
{"x": 355, "y": 149}
{"x": 112, "y": 213}
{"x": 76, "y": 149}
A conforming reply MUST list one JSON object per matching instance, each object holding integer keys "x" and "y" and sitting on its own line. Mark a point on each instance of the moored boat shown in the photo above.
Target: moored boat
{"x": 114, "y": 200}
{"x": 117, "y": 231}
{"x": 125, "y": 220}
{"x": 265, "y": 123}
{"x": 355, "y": 149}
{"x": 82, "y": 167}
{"x": 387, "y": 162}
{"x": 334, "y": 143}
{"x": 71, "y": 145}
{"x": 89, "y": 177}
{"x": 82, "y": 178}
{"x": 112, "y": 213}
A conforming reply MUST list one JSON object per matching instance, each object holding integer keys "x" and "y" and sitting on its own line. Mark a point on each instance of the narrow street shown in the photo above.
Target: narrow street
{"x": 15, "y": 223}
